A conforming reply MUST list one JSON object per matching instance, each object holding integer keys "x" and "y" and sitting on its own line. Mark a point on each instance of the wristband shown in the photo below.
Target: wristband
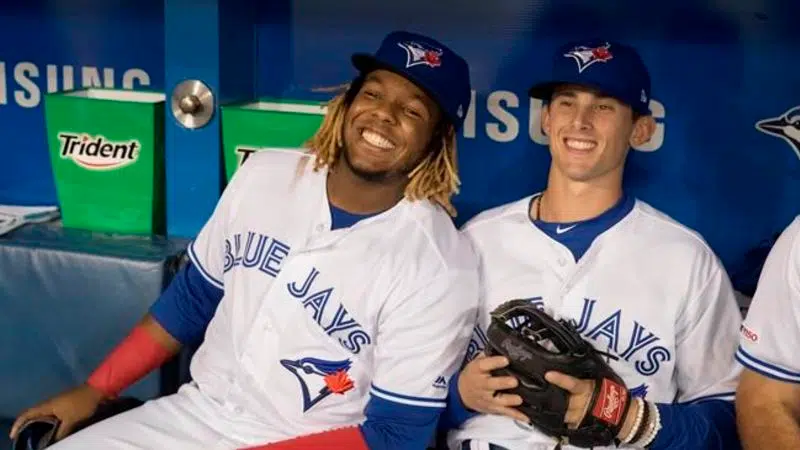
{"x": 137, "y": 355}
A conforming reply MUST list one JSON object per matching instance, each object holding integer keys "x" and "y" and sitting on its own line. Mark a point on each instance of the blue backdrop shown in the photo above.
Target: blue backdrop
{"x": 47, "y": 46}
{"x": 718, "y": 68}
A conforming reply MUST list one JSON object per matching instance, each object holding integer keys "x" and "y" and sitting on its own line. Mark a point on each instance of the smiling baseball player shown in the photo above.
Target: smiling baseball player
{"x": 768, "y": 396}
{"x": 638, "y": 285}
{"x": 333, "y": 292}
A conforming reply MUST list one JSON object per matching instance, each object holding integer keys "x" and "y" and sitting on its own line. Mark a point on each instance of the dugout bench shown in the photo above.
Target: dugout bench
{"x": 67, "y": 298}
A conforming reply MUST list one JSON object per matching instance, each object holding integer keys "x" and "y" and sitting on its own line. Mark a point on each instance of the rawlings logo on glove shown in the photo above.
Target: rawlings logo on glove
{"x": 610, "y": 403}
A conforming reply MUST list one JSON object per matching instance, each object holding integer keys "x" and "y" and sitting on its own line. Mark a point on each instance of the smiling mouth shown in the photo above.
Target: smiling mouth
{"x": 376, "y": 139}
{"x": 582, "y": 145}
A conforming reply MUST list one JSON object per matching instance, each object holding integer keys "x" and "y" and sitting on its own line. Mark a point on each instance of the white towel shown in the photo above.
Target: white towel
{"x": 13, "y": 217}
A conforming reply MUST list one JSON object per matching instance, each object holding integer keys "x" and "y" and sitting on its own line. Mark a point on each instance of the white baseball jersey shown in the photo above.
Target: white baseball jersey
{"x": 314, "y": 321}
{"x": 648, "y": 290}
{"x": 771, "y": 331}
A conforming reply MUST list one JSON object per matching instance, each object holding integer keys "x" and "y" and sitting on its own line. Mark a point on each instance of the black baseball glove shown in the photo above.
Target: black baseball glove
{"x": 535, "y": 344}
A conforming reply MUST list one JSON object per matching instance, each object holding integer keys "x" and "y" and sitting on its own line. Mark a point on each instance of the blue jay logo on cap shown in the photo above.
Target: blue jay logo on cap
{"x": 421, "y": 54}
{"x": 586, "y": 56}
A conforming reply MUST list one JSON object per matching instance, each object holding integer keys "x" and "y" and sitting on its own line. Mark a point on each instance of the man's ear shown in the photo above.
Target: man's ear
{"x": 643, "y": 130}
{"x": 546, "y": 119}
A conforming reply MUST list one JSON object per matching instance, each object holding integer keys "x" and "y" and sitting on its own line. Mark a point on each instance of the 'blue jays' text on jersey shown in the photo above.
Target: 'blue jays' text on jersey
{"x": 647, "y": 290}
{"x": 770, "y": 334}
{"x": 314, "y": 321}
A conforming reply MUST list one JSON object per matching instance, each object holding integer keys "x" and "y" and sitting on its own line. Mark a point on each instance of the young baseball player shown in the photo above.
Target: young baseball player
{"x": 639, "y": 286}
{"x": 331, "y": 290}
{"x": 768, "y": 396}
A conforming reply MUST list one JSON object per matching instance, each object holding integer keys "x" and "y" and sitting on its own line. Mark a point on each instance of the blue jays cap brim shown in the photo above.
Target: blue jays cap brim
{"x": 544, "y": 91}
{"x": 612, "y": 69}
{"x": 438, "y": 71}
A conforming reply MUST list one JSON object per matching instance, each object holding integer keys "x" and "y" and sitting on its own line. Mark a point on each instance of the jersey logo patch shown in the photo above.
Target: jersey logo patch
{"x": 258, "y": 251}
{"x": 319, "y": 378}
{"x": 586, "y": 56}
{"x": 640, "y": 348}
{"x": 440, "y": 383}
{"x": 421, "y": 54}
{"x": 560, "y": 230}
{"x": 327, "y": 311}
{"x": 748, "y": 334}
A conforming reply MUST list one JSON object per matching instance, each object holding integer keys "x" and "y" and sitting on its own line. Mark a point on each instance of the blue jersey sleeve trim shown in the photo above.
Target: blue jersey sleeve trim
{"x": 407, "y": 399}
{"x": 398, "y": 426}
{"x": 193, "y": 257}
{"x": 726, "y": 396}
{"x": 186, "y": 307}
{"x": 765, "y": 368}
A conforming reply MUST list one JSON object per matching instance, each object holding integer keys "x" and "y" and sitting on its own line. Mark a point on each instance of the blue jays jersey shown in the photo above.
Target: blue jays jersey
{"x": 315, "y": 321}
{"x": 647, "y": 290}
{"x": 771, "y": 332}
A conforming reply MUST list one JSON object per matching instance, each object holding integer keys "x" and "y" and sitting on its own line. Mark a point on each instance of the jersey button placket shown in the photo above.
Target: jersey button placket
{"x": 568, "y": 271}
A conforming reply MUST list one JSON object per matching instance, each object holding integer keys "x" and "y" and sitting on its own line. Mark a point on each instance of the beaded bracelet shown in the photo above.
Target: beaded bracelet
{"x": 645, "y": 422}
{"x": 637, "y": 424}
{"x": 654, "y": 427}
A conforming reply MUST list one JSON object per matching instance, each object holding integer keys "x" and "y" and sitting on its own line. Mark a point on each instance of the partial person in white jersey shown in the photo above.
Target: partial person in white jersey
{"x": 332, "y": 292}
{"x": 639, "y": 285}
{"x": 768, "y": 397}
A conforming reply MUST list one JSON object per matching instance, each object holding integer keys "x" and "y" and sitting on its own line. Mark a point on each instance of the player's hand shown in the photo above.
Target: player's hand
{"x": 70, "y": 407}
{"x": 581, "y": 397}
{"x": 479, "y": 389}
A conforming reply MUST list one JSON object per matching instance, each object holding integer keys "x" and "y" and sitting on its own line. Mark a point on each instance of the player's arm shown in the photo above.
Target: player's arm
{"x": 189, "y": 303}
{"x": 182, "y": 312}
{"x": 474, "y": 390}
{"x": 422, "y": 338}
{"x": 768, "y": 396}
{"x": 145, "y": 348}
{"x": 179, "y": 317}
{"x": 704, "y": 414}
{"x": 768, "y": 412}
{"x": 425, "y": 337}
{"x": 186, "y": 307}
{"x": 456, "y": 412}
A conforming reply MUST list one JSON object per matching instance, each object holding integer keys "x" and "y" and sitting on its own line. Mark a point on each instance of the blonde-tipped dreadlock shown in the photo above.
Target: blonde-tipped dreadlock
{"x": 434, "y": 179}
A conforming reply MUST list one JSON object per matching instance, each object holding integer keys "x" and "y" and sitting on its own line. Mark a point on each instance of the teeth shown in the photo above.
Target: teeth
{"x": 377, "y": 140}
{"x": 580, "y": 144}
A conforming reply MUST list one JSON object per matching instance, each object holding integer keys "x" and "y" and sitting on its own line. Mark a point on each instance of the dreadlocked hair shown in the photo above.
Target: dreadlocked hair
{"x": 435, "y": 178}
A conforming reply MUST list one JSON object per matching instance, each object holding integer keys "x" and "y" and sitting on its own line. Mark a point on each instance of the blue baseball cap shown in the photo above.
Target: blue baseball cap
{"x": 429, "y": 64}
{"x": 612, "y": 68}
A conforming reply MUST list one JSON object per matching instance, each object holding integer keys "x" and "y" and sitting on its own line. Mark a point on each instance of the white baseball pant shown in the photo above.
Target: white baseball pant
{"x": 183, "y": 421}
